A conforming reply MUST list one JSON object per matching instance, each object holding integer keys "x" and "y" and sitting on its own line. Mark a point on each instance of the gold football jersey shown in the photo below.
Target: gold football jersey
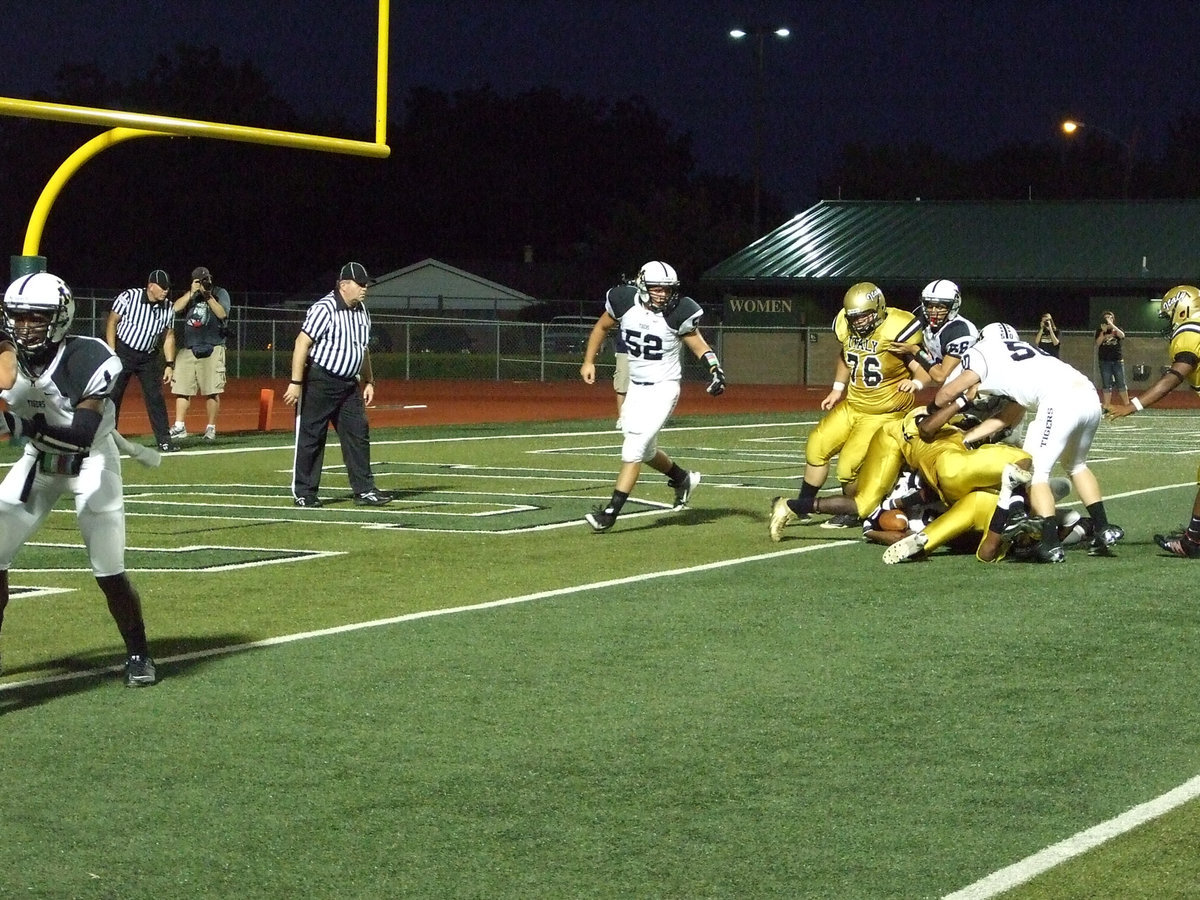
{"x": 875, "y": 374}
{"x": 1186, "y": 339}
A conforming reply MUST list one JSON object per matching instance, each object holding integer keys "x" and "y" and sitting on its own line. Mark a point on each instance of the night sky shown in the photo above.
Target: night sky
{"x": 961, "y": 77}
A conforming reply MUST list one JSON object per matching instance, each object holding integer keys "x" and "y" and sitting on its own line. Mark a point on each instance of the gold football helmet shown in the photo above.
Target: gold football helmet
{"x": 1180, "y": 304}
{"x": 910, "y": 427}
{"x": 865, "y": 308}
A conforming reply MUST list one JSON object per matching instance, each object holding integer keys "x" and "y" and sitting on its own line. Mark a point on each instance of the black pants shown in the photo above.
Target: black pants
{"x": 146, "y": 367}
{"x": 327, "y": 400}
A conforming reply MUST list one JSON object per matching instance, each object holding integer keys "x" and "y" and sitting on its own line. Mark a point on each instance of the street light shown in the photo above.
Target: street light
{"x": 759, "y": 33}
{"x": 1070, "y": 126}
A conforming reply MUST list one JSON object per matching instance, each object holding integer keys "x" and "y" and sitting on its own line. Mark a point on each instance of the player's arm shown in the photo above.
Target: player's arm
{"x": 76, "y": 437}
{"x": 949, "y": 401}
{"x": 299, "y": 358}
{"x": 1007, "y": 417}
{"x": 699, "y": 346}
{"x": 1181, "y": 369}
{"x": 841, "y": 375}
{"x": 8, "y": 363}
{"x": 600, "y": 330}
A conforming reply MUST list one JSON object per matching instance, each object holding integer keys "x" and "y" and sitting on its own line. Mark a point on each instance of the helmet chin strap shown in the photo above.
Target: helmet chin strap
{"x": 34, "y": 362}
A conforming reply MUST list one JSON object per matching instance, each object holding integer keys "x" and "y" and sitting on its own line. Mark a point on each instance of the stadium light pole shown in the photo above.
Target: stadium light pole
{"x": 1070, "y": 126}
{"x": 759, "y": 34}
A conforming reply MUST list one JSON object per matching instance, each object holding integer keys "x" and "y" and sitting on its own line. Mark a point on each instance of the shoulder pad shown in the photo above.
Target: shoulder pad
{"x": 685, "y": 311}
{"x": 620, "y": 299}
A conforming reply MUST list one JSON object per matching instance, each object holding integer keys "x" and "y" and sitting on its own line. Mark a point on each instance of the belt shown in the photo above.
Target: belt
{"x": 643, "y": 383}
{"x": 333, "y": 375}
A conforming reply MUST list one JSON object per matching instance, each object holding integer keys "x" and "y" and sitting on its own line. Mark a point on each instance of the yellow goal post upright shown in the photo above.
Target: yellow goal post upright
{"x": 124, "y": 126}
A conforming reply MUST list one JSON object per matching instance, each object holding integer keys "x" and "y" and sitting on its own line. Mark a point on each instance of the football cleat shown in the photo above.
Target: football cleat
{"x": 842, "y": 520}
{"x": 683, "y": 490}
{"x": 1178, "y": 545}
{"x": 600, "y": 519}
{"x": 906, "y": 548}
{"x": 139, "y": 671}
{"x": 1103, "y": 539}
{"x": 1013, "y": 476}
{"x": 308, "y": 502}
{"x": 781, "y": 516}
{"x": 1052, "y": 555}
{"x": 1021, "y": 524}
{"x": 168, "y": 447}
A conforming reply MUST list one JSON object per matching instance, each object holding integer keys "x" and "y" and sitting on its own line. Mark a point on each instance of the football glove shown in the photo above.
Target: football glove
{"x": 716, "y": 385}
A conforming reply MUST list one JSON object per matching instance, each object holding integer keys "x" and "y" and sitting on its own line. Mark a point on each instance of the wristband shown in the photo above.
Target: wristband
{"x": 710, "y": 359}
{"x": 170, "y": 364}
{"x": 1136, "y": 404}
{"x": 294, "y": 381}
{"x": 921, "y": 357}
{"x": 919, "y": 383}
{"x": 839, "y": 385}
{"x": 960, "y": 401}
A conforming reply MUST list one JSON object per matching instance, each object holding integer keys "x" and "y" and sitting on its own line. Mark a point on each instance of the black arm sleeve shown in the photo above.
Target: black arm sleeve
{"x": 74, "y": 438}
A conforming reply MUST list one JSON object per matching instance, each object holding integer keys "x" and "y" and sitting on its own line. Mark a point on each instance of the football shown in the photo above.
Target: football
{"x": 893, "y": 520}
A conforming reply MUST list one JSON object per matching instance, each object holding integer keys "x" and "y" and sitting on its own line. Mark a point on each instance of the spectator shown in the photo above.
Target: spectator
{"x": 1109, "y": 339}
{"x": 330, "y": 362}
{"x": 200, "y": 365}
{"x": 139, "y": 323}
{"x": 1047, "y": 336}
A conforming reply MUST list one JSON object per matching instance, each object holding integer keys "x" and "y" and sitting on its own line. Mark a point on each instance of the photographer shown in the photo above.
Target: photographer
{"x": 200, "y": 365}
{"x": 1109, "y": 339}
{"x": 1047, "y": 336}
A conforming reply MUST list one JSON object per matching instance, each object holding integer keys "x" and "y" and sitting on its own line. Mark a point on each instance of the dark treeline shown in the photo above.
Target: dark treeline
{"x": 593, "y": 187}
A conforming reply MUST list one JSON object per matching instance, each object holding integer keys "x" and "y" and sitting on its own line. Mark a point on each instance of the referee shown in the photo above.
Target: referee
{"x": 328, "y": 362}
{"x": 141, "y": 320}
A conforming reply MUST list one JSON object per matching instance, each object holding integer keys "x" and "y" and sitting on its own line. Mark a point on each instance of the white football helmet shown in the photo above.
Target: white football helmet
{"x": 38, "y": 311}
{"x": 998, "y": 331}
{"x": 656, "y": 274}
{"x": 1180, "y": 304}
{"x": 941, "y": 300}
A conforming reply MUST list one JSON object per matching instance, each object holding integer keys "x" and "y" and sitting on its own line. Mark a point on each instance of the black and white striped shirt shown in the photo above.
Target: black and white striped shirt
{"x": 339, "y": 334}
{"x": 143, "y": 323}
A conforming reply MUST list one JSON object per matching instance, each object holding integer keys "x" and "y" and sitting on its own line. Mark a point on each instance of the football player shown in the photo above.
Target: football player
{"x": 873, "y": 373}
{"x": 60, "y": 403}
{"x": 1063, "y": 426}
{"x": 1181, "y": 308}
{"x": 945, "y": 337}
{"x": 655, "y": 323}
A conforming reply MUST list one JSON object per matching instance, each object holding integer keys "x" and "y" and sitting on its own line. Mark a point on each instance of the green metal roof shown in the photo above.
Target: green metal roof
{"x": 1118, "y": 244}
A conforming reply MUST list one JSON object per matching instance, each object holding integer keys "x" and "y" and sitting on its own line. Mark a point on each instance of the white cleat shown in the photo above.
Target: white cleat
{"x": 683, "y": 490}
{"x": 781, "y": 517}
{"x": 905, "y": 548}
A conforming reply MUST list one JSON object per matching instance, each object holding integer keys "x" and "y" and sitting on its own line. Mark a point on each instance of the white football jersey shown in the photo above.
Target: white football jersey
{"x": 952, "y": 339}
{"x": 1021, "y": 371}
{"x": 82, "y": 367}
{"x": 654, "y": 340}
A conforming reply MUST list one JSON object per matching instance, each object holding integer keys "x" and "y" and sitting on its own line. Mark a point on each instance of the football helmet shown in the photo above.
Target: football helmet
{"x": 865, "y": 308}
{"x": 1180, "y": 304}
{"x": 910, "y": 427}
{"x": 940, "y": 300}
{"x": 38, "y": 310}
{"x": 658, "y": 276}
{"x": 998, "y": 331}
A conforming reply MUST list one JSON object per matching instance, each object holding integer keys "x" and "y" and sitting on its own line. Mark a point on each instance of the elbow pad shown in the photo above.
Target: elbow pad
{"x": 74, "y": 438}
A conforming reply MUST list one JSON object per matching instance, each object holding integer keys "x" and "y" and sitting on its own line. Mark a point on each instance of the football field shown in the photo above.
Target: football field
{"x": 469, "y": 694}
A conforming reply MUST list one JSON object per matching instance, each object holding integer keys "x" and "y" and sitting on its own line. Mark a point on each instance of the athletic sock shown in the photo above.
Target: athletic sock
{"x": 615, "y": 504}
{"x": 807, "y": 501}
{"x": 1099, "y": 516}
{"x": 677, "y": 474}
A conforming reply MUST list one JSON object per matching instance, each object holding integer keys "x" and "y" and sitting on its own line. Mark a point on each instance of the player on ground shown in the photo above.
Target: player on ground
{"x": 1063, "y": 426}
{"x": 1181, "y": 308}
{"x": 60, "y": 402}
{"x": 866, "y": 328}
{"x": 656, "y": 323}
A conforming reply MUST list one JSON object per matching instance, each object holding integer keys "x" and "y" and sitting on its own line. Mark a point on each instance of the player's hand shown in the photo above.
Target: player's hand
{"x": 831, "y": 399}
{"x": 1119, "y": 412}
{"x": 716, "y": 386}
{"x": 901, "y": 349}
{"x": 910, "y": 386}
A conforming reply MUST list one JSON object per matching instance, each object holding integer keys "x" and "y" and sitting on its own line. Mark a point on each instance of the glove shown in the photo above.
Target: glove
{"x": 716, "y": 387}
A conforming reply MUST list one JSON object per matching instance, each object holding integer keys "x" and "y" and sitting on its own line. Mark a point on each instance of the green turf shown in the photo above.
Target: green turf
{"x": 677, "y": 708}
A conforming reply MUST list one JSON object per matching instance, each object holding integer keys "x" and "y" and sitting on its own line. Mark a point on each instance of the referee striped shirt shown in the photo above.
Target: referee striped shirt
{"x": 339, "y": 334}
{"x": 143, "y": 322}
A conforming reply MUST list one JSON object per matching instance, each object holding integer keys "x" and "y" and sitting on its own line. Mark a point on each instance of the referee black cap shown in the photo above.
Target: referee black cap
{"x": 355, "y": 272}
{"x": 161, "y": 278}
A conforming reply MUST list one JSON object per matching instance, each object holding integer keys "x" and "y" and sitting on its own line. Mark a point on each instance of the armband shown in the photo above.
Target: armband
{"x": 170, "y": 363}
{"x": 923, "y": 359}
{"x": 1136, "y": 404}
{"x": 960, "y": 401}
{"x": 294, "y": 381}
{"x": 839, "y": 385}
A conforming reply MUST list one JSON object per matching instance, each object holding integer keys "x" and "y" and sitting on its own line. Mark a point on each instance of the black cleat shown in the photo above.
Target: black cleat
{"x": 1103, "y": 539}
{"x": 683, "y": 490}
{"x": 1178, "y": 545}
{"x": 600, "y": 519}
{"x": 308, "y": 502}
{"x": 1053, "y": 555}
{"x": 139, "y": 671}
{"x": 373, "y": 498}
{"x": 168, "y": 447}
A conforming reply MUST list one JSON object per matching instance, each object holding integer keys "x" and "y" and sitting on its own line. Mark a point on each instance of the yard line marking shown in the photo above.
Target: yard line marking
{"x": 430, "y": 614}
{"x": 1018, "y": 873}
